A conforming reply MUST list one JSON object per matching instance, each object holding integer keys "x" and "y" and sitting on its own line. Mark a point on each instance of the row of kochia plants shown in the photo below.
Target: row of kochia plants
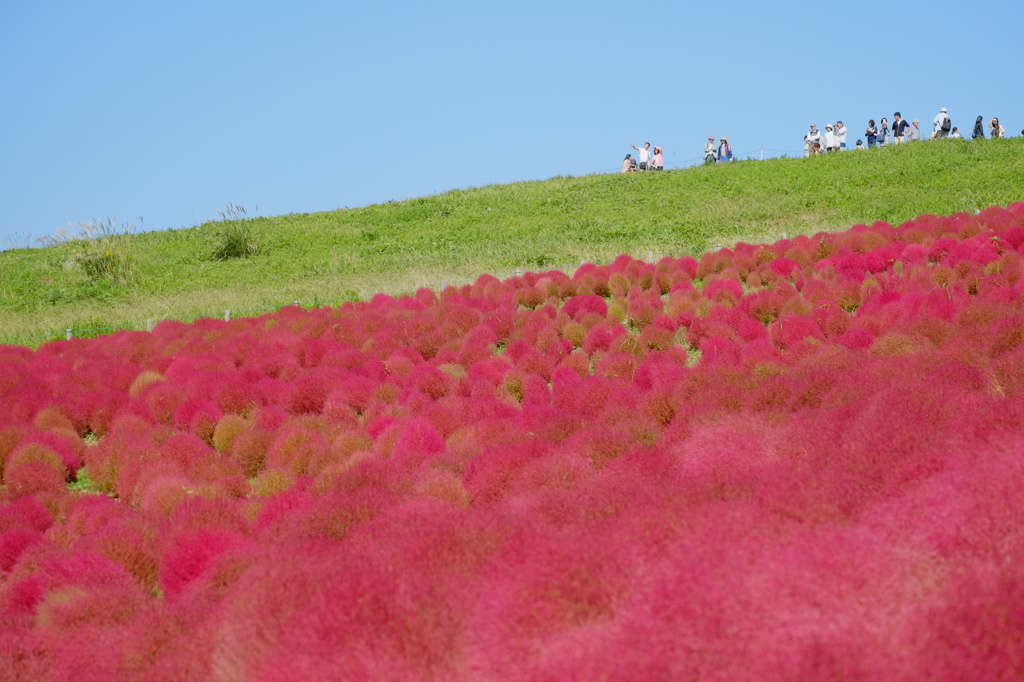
{"x": 803, "y": 459}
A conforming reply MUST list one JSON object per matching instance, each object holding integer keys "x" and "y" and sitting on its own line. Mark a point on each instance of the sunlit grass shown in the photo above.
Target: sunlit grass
{"x": 454, "y": 237}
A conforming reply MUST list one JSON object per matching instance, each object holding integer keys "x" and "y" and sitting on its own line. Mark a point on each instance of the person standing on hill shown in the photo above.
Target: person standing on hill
{"x": 830, "y": 139}
{"x": 643, "y": 156}
{"x": 899, "y": 128}
{"x": 710, "y": 155}
{"x": 997, "y": 130}
{"x": 658, "y": 160}
{"x": 840, "y": 134}
{"x": 812, "y": 141}
{"x": 979, "y": 129}
{"x": 883, "y": 132}
{"x": 941, "y": 125}
{"x": 914, "y": 132}
{"x": 724, "y": 151}
{"x": 871, "y": 134}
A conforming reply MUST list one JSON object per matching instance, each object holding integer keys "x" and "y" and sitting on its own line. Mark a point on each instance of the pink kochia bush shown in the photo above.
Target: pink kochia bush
{"x": 800, "y": 460}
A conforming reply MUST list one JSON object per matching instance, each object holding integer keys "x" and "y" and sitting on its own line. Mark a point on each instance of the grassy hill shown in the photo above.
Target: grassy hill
{"x": 124, "y": 280}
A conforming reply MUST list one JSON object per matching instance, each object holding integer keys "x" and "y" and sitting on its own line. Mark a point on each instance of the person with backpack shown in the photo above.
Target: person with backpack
{"x": 941, "y": 125}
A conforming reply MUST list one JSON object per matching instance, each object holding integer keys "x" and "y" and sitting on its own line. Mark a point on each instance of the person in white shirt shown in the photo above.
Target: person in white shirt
{"x": 914, "y": 132}
{"x": 812, "y": 141}
{"x": 940, "y": 125}
{"x": 840, "y": 134}
{"x": 830, "y": 139}
{"x": 955, "y": 133}
{"x": 710, "y": 153}
{"x": 643, "y": 156}
{"x": 859, "y": 145}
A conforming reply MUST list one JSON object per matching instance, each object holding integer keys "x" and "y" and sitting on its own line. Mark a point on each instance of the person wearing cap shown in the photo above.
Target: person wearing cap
{"x": 724, "y": 151}
{"x": 941, "y": 124}
{"x": 812, "y": 142}
{"x": 914, "y": 132}
{"x": 710, "y": 155}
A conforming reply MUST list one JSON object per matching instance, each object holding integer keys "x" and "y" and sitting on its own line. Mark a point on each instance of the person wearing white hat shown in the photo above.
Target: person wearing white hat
{"x": 942, "y": 124}
{"x": 830, "y": 140}
{"x": 710, "y": 153}
{"x": 724, "y": 151}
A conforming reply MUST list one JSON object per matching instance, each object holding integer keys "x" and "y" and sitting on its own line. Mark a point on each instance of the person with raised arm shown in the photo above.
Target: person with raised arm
{"x": 658, "y": 160}
{"x": 643, "y": 155}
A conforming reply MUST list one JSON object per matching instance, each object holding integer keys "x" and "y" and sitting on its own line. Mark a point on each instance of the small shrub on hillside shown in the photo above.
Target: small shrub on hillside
{"x": 234, "y": 237}
{"x": 101, "y": 249}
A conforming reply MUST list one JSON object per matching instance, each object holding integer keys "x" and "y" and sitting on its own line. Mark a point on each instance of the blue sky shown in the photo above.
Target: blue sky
{"x": 170, "y": 111}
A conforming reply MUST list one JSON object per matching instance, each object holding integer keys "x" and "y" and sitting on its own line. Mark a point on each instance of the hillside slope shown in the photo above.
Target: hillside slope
{"x": 556, "y": 223}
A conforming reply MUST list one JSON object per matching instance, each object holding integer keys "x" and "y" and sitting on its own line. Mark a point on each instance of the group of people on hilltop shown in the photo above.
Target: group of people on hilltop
{"x": 832, "y": 140}
{"x": 646, "y": 159}
{"x": 881, "y": 135}
{"x": 652, "y": 159}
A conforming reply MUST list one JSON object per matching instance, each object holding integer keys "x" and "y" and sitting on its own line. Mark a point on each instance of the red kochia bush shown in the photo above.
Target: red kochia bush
{"x": 31, "y": 478}
{"x": 191, "y": 554}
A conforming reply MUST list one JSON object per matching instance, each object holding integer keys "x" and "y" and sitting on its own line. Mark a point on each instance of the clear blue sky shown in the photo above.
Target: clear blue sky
{"x": 172, "y": 110}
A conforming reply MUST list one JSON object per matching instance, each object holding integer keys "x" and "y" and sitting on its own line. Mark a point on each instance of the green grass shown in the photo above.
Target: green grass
{"x": 454, "y": 237}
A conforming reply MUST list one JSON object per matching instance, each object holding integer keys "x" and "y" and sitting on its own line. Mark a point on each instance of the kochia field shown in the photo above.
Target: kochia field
{"x": 794, "y": 461}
